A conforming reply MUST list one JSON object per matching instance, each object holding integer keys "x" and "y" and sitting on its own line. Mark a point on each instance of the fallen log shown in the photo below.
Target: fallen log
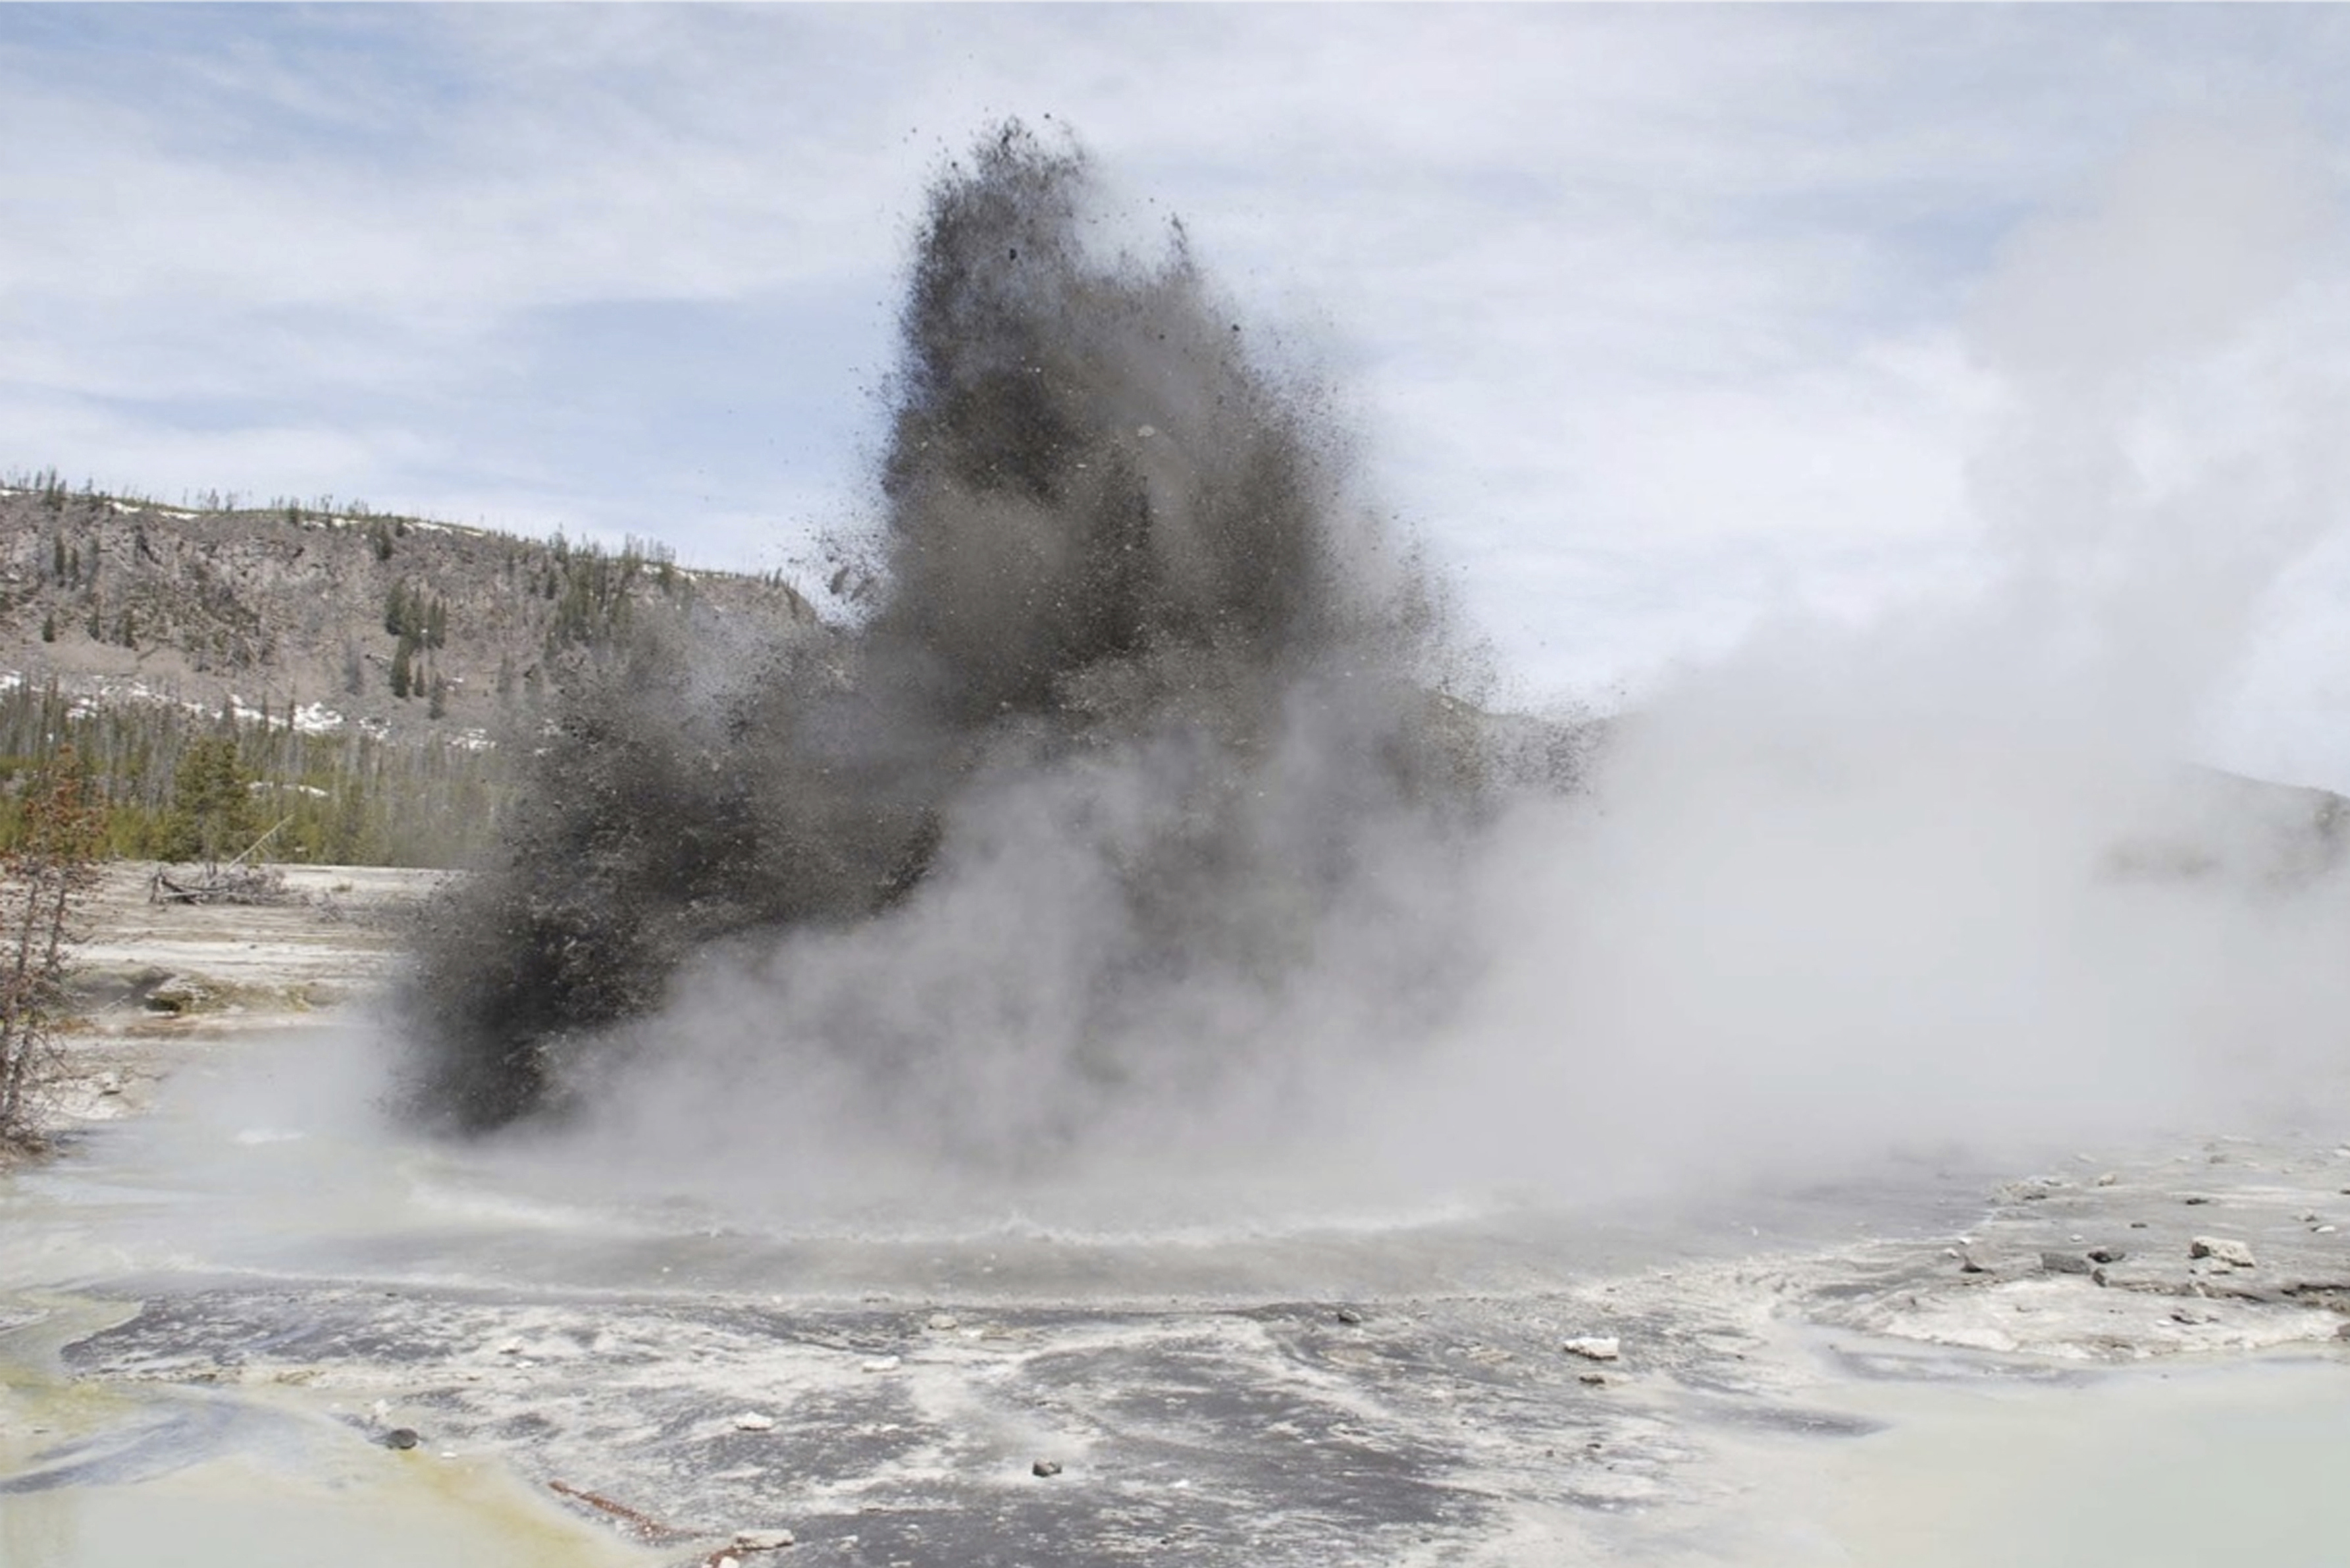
{"x": 644, "y": 1524}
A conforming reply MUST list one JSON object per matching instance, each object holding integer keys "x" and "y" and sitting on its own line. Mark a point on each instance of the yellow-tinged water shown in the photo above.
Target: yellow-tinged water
{"x": 410, "y": 1510}
{"x": 295, "y": 1485}
{"x": 2188, "y": 1465}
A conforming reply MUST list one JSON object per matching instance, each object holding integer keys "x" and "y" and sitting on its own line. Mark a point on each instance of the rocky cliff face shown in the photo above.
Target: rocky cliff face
{"x": 288, "y": 610}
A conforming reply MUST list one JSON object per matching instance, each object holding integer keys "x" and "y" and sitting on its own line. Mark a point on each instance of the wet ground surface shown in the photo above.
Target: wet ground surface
{"x": 227, "y": 1283}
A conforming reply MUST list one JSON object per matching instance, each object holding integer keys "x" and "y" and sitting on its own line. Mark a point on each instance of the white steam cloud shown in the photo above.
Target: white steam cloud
{"x": 1951, "y": 879}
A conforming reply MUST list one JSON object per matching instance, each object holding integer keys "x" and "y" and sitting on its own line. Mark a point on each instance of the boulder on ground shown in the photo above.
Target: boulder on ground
{"x": 2220, "y": 1248}
{"x": 762, "y": 1540}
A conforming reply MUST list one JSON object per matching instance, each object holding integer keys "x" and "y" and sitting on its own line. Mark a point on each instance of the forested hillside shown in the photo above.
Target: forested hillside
{"x": 357, "y": 681}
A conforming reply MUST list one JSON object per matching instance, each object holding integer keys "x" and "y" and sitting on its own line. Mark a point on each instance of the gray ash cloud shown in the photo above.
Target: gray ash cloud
{"x": 1140, "y": 678}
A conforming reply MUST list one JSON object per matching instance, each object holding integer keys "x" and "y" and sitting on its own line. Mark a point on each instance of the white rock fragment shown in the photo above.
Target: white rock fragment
{"x": 753, "y": 1421}
{"x": 762, "y": 1540}
{"x": 944, "y": 1321}
{"x": 2220, "y": 1248}
{"x": 882, "y": 1364}
{"x": 1595, "y": 1346}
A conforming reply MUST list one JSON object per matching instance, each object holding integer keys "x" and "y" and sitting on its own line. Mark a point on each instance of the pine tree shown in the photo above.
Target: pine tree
{"x": 212, "y": 803}
{"x": 47, "y": 876}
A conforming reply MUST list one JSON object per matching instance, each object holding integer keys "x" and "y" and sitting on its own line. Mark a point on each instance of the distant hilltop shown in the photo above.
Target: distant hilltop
{"x": 327, "y": 619}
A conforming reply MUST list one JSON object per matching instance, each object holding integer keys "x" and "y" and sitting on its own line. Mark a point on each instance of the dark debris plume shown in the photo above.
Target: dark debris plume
{"x": 1109, "y": 538}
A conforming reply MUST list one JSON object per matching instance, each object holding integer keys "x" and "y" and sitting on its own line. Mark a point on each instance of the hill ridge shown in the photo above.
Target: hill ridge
{"x": 302, "y": 614}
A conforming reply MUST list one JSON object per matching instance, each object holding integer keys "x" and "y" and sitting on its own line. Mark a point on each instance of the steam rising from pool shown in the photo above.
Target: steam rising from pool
{"x": 1143, "y": 833}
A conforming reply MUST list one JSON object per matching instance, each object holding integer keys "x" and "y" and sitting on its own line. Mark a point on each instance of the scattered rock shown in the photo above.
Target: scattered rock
{"x": 1347, "y": 1314}
{"x": 109, "y": 1083}
{"x": 2106, "y": 1254}
{"x": 2063, "y": 1263}
{"x": 1045, "y": 1468}
{"x": 2108, "y": 1178}
{"x": 401, "y": 1438}
{"x": 753, "y": 1421}
{"x": 2220, "y": 1248}
{"x": 1595, "y": 1379}
{"x": 2342, "y": 1331}
{"x": 945, "y": 1322}
{"x": 176, "y": 995}
{"x": 1595, "y": 1346}
{"x": 882, "y": 1364}
{"x": 2194, "y": 1200}
{"x": 2191, "y": 1315}
{"x": 762, "y": 1540}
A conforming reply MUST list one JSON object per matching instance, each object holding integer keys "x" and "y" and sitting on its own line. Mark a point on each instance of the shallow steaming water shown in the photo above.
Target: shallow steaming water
{"x": 268, "y": 1169}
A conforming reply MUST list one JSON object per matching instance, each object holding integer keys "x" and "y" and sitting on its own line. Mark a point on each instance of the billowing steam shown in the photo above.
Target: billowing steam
{"x": 1135, "y": 825}
{"x": 1060, "y": 821}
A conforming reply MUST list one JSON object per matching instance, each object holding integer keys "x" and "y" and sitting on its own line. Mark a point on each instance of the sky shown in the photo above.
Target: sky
{"x": 1656, "y": 325}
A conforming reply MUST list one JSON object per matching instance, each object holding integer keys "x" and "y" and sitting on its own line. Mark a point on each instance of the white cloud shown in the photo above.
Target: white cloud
{"x": 1653, "y": 316}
